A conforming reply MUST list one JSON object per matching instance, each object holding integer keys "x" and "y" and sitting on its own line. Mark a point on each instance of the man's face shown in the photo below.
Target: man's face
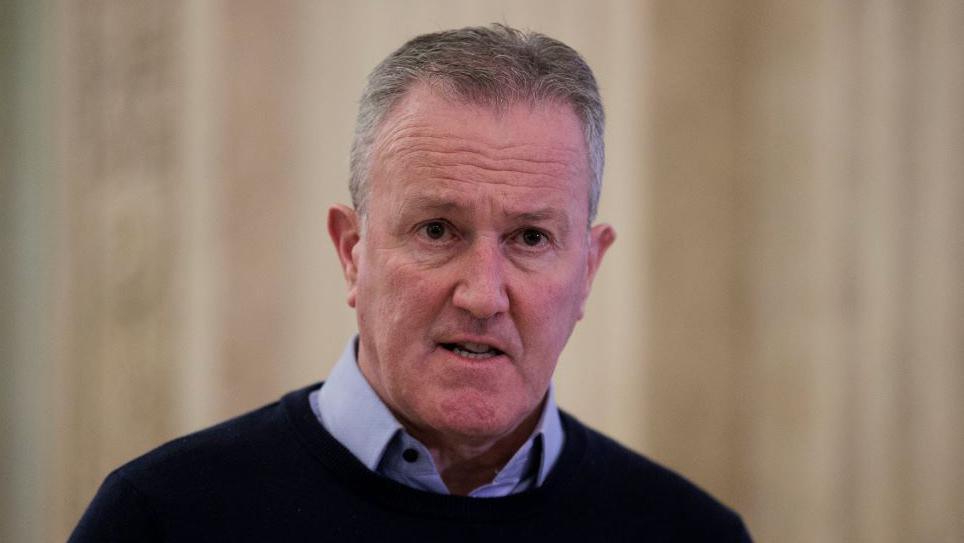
{"x": 474, "y": 262}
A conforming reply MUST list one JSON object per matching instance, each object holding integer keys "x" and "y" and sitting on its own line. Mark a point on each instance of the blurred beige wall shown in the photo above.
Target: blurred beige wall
{"x": 781, "y": 318}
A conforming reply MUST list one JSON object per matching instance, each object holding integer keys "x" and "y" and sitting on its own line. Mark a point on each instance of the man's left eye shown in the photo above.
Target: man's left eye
{"x": 533, "y": 238}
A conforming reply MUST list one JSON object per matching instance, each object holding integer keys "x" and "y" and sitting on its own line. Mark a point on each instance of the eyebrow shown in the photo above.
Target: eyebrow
{"x": 544, "y": 214}
{"x": 422, "y": 202}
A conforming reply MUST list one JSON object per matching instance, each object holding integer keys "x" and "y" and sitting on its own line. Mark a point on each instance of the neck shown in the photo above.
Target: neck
{"x": 466, "y": 464}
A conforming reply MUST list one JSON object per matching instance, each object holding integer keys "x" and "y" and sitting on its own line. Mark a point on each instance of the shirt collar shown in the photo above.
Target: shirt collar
{"x": 352, "y": 412}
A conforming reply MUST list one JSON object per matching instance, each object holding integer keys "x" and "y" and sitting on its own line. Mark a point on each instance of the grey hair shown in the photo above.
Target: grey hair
{"x": 495, "y": 66}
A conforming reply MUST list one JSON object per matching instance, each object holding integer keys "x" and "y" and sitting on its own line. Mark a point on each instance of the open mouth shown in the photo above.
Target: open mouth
{"x": 475, "y": 351}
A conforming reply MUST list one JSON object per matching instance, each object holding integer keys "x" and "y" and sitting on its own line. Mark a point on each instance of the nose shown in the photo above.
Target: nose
{"x": 481, "y": 287}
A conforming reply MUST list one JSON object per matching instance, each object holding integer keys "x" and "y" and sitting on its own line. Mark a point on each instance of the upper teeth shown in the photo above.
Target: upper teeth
{"x": 474, "y": 347}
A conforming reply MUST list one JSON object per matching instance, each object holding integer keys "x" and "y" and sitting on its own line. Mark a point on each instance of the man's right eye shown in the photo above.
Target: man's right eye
{"x": 435, "y": 230}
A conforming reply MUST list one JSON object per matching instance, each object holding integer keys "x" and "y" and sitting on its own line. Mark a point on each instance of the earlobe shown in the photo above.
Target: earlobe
{"x": 345, "y": 232}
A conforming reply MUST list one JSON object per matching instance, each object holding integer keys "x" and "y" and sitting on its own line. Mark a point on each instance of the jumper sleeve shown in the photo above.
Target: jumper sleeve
{"x": 118, "y": 513}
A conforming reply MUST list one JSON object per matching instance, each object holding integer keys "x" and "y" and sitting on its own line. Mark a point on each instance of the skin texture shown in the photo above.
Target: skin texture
{"x": 476, "y": 231}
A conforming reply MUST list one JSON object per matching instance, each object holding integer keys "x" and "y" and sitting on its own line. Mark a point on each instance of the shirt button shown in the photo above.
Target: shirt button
{"x": 410, "y": 455}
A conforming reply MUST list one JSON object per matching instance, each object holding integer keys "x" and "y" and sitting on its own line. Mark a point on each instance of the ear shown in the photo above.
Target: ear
{"x": 601, "y": 237}
{"x": 344, "y": 227}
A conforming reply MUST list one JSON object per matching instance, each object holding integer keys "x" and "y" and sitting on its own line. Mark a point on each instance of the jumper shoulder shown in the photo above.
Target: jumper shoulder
{"x": 645, "y": 493}
{"x": 188, "y": 475}
{"x": 205, "y": 453}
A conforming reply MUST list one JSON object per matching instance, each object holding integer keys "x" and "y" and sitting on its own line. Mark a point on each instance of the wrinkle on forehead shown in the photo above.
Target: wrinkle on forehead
{"x": 427, "y": 146}
{"x": 423, "y": 153}
{"x": 440, "y": 161}
{"x": 422, "y": 135}
{"x": 469, "y": 179}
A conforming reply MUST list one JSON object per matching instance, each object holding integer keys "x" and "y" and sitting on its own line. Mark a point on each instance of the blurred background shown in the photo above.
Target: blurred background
{"x": 781, "y": 318}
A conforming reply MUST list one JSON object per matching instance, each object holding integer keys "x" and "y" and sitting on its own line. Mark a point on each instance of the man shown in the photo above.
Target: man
{"x": 468, "y": 253}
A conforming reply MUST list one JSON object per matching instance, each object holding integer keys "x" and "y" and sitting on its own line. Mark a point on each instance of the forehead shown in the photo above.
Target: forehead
{"x": 455, "y": 146}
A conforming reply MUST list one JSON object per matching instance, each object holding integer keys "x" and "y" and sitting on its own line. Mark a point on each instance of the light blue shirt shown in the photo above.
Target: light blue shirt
{"x": 352, "y": 412}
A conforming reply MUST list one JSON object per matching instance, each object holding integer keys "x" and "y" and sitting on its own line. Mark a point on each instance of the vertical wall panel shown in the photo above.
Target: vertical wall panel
{"x": 690, "y": 387}
{"x": 882, "y": 220}
{"x": 200, "y": 270}
{"x": 119, "y": 156}
{"x": 936, "y": 252}
{"x": 778, "y": 69}
{"x": 259, "y": 52}
{"x": 31, "y": 252}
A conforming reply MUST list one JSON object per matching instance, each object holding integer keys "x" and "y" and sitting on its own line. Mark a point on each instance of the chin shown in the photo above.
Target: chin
{"x": 481, "y": 418}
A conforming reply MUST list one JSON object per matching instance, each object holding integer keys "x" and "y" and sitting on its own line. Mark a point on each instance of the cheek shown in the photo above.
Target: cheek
{"x": 548, "y": 312}
{"x": 400, "y": 296}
